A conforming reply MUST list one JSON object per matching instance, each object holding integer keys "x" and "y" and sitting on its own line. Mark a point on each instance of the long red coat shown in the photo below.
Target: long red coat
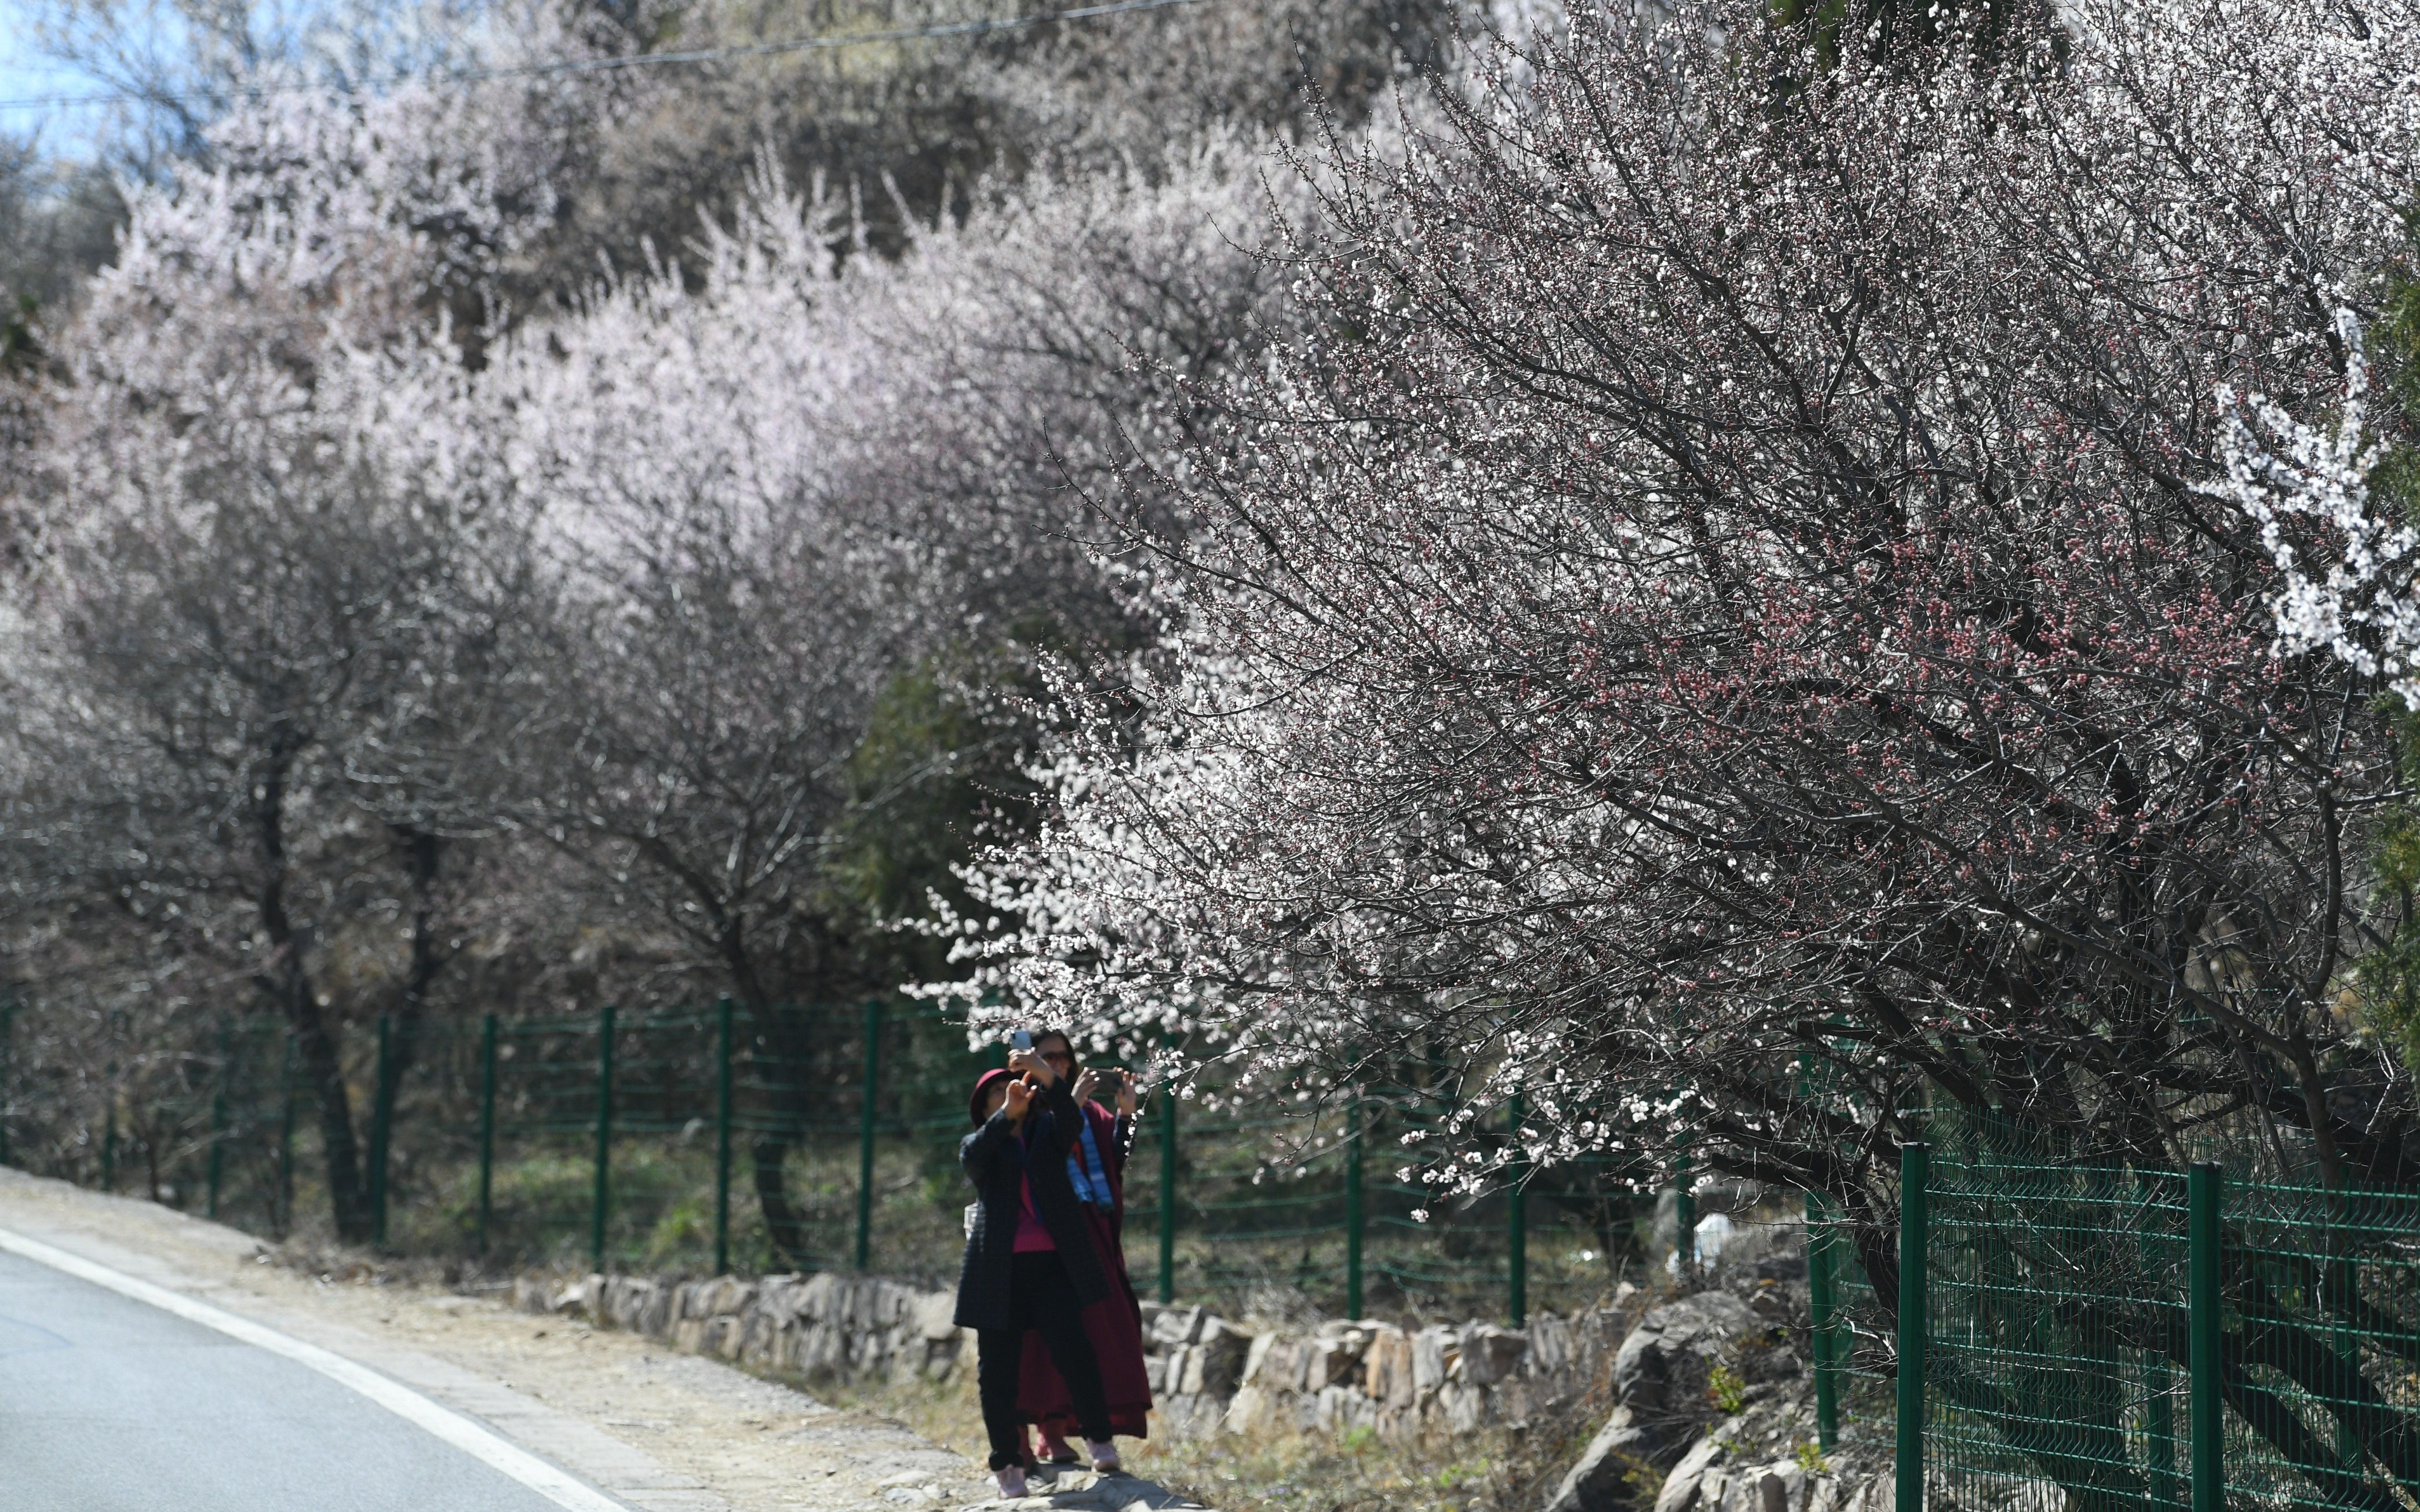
{"x": 1114, "y": 1325}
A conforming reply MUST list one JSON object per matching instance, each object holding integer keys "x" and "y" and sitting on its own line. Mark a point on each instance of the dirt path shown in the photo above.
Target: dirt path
{"x": 662, "y": 1431}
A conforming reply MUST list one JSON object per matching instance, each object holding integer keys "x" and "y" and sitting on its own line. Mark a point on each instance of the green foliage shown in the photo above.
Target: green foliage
{"x": 685, "y": 1229}
{"x": 1811, "y": 1457}
{"x": 929, "y": 775}
{"x": 2387, "y": 981}
{"x": 1727, "y": 1390}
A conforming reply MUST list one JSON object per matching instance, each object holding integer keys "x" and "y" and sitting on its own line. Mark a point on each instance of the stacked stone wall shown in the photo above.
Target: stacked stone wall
{"x": 1207, "y": 1372}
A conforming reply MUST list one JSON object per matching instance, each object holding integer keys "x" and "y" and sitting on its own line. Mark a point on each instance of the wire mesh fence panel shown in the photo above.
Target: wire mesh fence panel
{"x": 247, "y": 1167}
{"x": 2321, "y": 1331}
{"x": 544, "y": 1178}
{"x": 1851, "y": 1335}
{"x": 797, "y": 1120}
{"x": 431, "y": 1136}
{"x": 802, "y": 1137}
{"x": 2056, "y": 1334}
{"x": 660, "y": 1181}
{"x": 2060, "y": 1352}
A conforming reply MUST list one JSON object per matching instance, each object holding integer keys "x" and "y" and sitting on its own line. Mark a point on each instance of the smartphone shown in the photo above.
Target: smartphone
{"x": 1022, "y": 1040}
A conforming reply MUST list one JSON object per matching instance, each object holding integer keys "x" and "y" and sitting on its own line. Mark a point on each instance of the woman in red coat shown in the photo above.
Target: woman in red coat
{"x": 1114, "y": 1325}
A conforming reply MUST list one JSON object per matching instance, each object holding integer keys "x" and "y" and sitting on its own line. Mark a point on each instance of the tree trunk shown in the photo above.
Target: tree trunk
{"x": 424, "y": 853}
{"x": 782, "y": 1033}
{"x": 285, "y": 979}
{"x": 784, "y": 1225}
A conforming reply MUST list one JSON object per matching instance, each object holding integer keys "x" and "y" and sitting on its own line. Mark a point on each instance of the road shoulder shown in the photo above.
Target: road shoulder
{"x": 661, "y": 1431}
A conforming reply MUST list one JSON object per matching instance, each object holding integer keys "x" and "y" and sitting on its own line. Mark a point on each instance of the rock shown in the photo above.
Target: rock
{"x": 934, "y": 1315}
{"x": 1257, "y": 1358}
{"x": 581, "y": 1295}
{"x": 1659, "y": 1387}
{"x": 1387, "y": 1370}
{"x": 1490, "y": 1354}
{"x": 1550, "y": 1344}
{"x": 1177, "y": 1326}
{"x": 1249, "y": 1411}
{"x": 1661, "y": 1369}
{"x": 1681, "y": 1486}
{"x": 1435, "y": 1350}
{"x": 1601, "y": 1481}
{"x": 1324, "y": 1361}
{"x": 1220, "y": 1357}
{"x": 727, "y": 1295}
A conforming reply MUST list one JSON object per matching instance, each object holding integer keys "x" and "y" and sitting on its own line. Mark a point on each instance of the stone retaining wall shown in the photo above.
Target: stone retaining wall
{"x": 1208, "y": 1372}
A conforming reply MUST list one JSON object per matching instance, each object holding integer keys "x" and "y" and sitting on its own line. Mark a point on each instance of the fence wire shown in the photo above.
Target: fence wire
{"x": 600, "y": 1137}
{"x": 2059, "y": 1358}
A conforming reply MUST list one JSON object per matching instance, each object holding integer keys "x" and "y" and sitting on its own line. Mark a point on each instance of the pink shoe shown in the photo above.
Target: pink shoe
{"x": 1105, "y": 1455}
{"x": 1012, "y": 1482}
{"x": 1056, "y": 1450}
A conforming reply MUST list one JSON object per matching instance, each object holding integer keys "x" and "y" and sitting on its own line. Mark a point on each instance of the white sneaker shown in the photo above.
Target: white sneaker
{"x": 1105, "y": 1455}
{"x": 1012, "y": 1482}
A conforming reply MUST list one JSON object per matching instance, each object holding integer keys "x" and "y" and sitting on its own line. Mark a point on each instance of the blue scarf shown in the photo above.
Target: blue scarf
{"x": 1084, "y": 1170}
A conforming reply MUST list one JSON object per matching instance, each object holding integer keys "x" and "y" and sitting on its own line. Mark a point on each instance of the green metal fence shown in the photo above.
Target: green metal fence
{"x": 651, "y": 1139}
{"x": 2092, "y": 1337}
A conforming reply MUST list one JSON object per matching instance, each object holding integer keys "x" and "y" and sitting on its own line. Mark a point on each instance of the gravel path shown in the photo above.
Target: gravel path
{"x": 659, "y": 1431}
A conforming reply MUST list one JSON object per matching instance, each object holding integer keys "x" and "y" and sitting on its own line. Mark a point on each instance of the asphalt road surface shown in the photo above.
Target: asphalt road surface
{"x": 108, "y": 1405}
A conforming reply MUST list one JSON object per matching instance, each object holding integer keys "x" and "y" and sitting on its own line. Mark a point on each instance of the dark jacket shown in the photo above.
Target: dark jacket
{"x": 997, "y": 1161}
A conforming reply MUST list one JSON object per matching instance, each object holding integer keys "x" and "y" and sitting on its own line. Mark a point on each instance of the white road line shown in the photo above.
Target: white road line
{"x": 474, "y": 1439}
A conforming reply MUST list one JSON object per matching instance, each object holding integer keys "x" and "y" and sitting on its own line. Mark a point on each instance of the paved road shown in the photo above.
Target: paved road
{"x": 107, "y": 1405}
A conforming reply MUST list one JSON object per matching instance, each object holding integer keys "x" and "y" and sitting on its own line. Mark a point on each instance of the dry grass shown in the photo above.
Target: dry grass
{"x": 1496, "y": 1470}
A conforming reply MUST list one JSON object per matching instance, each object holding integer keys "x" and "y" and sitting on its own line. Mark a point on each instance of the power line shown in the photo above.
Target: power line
{"x": 602, "y": 65}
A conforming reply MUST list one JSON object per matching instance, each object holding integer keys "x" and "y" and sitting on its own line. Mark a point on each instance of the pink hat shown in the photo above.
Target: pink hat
{"x": 983, "y": 1089}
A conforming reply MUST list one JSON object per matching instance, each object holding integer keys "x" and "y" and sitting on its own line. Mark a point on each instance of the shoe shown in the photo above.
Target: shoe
{"x": 1056, "y": 1451}
{"x": 1012, "y": 1482}
{"x": 1105, "y": 1455}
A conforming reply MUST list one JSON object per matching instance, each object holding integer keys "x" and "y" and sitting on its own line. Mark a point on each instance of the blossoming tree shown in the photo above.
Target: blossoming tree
{"x": 1724, "y": 626}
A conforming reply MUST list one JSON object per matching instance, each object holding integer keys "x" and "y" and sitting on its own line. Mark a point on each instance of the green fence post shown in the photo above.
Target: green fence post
{"x": 1823, "y": 1306}
{"x": 2204, "y": 1337}
{"x": 1915, "y": 1177}
{"x": 1168, "y": 1194}
{"x": 722, "y": 1136}
{"x": 487, "y": 1126}
{"x": 598, "y": 1199}
{"x": 218, "y": 1125}
{"x": 382, "y": 1115}
{"x": 1353, "y": 1208}
{"x": 865, "y": 1131}
{"x": 1516, "y": 1222}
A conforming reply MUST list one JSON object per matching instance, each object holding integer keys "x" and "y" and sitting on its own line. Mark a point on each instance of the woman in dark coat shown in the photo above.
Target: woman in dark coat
{"x": 1031, "y": 1260}
{"x": 1114, "y": 1326}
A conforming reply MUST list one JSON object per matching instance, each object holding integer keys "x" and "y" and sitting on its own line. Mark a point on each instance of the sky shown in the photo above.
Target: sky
{"x": 25, "y": 74}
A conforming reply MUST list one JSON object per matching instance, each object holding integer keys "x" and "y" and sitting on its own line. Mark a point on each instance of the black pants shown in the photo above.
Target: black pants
{"x": 1039, "y": 1296}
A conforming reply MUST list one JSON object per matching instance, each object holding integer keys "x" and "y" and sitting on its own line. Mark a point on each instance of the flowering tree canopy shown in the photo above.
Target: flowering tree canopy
{"x": 1722, "y": 625}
